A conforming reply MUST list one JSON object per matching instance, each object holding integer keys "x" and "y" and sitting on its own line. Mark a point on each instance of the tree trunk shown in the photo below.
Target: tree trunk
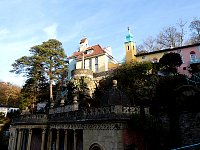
{"x": 51, "y": 90}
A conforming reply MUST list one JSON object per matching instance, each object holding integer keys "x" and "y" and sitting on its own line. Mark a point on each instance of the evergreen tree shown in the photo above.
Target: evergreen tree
{"x": 46, "y": 64}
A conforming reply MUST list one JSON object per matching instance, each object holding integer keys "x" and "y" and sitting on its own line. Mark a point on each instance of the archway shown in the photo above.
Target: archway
{"x": 95, "y": 146}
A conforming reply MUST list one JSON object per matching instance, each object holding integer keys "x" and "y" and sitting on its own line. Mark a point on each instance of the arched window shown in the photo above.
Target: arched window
{"x": 95, "y": 146}
{"x": 192, "y": 56}
{"x": 155, "y": 60}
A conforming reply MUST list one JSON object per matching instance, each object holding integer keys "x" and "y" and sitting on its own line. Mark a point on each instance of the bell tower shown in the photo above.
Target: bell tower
{"x": 130, "y": 47}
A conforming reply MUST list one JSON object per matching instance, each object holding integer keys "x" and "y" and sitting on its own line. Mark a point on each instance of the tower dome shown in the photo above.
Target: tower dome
{"x": 129, "y": 36}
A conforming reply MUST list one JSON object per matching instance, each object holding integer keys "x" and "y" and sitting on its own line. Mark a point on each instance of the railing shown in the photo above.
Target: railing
{"x": 31, "y": 118}
{"x": 82, "y": 72}
{"x": 72, "y": 113}
{"x": 101, "y": 110}
{"x": 194, "y": 61}
{"x": 103, "y": 73}
{"x": 63, "y": 114}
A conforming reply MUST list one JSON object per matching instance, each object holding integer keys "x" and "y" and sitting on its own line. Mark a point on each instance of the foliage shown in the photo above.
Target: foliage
{"x": 9, "y": 94}
{"x": 170, "y": 61}
{"x": 135, "y": 79}
{"x": 172, "y": 36}
{"x": 150, "y": 127}
{"x": 195, "y": 28}
{"x": 4, "y": 138}
{"x": 80, "y": 88}
{"x": 164, "y": 99}
{"x": 46, "y": 65}
{"x": 169, "y": 37}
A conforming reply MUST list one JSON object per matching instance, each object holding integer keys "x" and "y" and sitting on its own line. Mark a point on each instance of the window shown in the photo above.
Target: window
{"x": 192, "y": 56}
{"x": 90, "y": 64}
{"x": 182, "y": 59}
{"x": 184, "y": 68}
{"x": 128, "y": 47}
{"x": 96, "y": 64}
{"x": 89, "y": 51}
{"x": 143, "y": 57}
{"x": 155, "y": 60}
{"x": 84, "y": 64}
{"x": 198, "y": 48}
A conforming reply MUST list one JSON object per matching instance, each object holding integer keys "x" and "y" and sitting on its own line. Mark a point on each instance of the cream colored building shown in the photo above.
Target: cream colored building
{"x": 94, "y": 58}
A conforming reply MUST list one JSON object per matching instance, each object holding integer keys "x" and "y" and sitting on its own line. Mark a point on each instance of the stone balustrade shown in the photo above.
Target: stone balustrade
{"x": 82, "y": 72}
{"x": 73, "y": 113}
{"x": 31, "y": 118}
{"x": 67, "y": 113}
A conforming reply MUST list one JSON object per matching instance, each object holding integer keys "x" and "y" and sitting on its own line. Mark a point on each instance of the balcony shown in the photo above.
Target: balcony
{"x": 195, "y": 61}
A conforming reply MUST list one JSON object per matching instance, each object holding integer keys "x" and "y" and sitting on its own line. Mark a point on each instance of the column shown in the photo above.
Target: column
{"x": 14, "y": 139}
{"x": 29, "y": 139}
{"x": 74, "y": 139}
{"x": 19, "y": 139}
{"x": 22, "y": 139}
{"x": 57, "y": 140}
{"x": 43, "y": 139}
{"x": 11, "y": 139}
{"x": 65, "y": 140}
{"x": 10, "y": 143}
{"x": 50, "y": 139}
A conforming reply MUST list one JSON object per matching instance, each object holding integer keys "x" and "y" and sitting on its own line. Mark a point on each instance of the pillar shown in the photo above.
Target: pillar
{"x": 57, "y": 139}
{"x": 19, "y": 137}
{"x": 29, "y": 139}
{"x": 11, "y": 139}
{"x": 65, "y": 140}
{"x": 43, "y": 139}
{"x": 14, "y": 139}
{"x": 10, "y": 143}
{"x": 74, "y": 139}
{"x": 50, "y": 139}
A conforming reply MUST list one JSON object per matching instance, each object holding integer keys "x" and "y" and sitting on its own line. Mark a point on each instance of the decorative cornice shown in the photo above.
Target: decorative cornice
{"x": 93, "y": 126}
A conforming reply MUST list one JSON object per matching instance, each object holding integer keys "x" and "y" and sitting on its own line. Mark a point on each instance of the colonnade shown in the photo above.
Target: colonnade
{"x": 22, "y": 139}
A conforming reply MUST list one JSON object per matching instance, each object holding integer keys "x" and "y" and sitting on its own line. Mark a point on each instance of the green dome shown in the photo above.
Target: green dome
{"x": 129, "y": 37}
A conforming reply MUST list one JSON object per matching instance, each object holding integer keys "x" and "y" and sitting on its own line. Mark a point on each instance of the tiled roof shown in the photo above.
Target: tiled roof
{"x": 96, "y": 50}
{"x": 83, "y": 40}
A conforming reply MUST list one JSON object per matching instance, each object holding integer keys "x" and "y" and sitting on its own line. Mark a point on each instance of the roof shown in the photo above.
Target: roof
{"x": 83, "y": 40}
{"x": 97, "y": 50}
{"x": 166, "y": 50}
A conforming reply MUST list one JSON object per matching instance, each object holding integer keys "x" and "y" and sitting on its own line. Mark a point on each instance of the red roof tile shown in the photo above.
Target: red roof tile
{"x": 97, "y": 50}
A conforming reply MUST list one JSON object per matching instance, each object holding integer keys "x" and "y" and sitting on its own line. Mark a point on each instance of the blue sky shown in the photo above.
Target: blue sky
{"x": 25, "y": 23}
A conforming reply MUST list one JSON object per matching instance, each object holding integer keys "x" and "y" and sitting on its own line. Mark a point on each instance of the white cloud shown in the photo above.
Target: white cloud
{"x": 51, "y": 31}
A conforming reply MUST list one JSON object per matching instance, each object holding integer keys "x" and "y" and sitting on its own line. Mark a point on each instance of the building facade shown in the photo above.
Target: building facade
{"x": 190, "y": 54}
{"x": 94, "y": 58}
{"x": 71, "y": 127}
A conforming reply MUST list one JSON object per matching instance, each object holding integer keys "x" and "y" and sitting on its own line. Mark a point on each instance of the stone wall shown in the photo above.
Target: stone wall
{"x": 190, "y": 128}
{"x": 106, "y": 139}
